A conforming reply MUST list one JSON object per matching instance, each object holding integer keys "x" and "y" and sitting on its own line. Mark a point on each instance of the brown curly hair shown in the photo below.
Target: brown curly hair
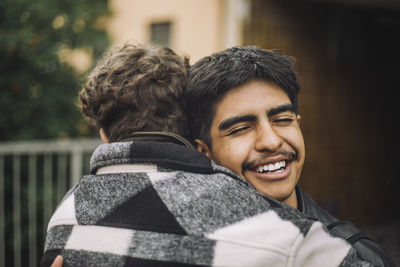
{"x": 136, "y": 88}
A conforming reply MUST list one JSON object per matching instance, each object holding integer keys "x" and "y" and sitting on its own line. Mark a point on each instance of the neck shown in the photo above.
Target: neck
{"x": 291, "y": 200}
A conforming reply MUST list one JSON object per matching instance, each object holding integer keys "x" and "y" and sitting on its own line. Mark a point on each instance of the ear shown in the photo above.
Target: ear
{"x": 298, "y": 117}
{"x": 202, "y": 147}
{"x": 104, "y": 136}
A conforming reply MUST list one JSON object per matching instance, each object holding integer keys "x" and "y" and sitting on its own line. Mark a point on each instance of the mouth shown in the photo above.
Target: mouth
{"x": 274, "y": 167}
{"x": 273, "y": 170}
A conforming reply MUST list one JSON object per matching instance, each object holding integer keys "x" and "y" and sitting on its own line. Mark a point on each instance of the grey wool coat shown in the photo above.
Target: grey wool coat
{"x": 163, "y": 204}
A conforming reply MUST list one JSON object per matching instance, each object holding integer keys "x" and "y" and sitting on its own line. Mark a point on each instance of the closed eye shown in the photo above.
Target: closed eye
{"x": 238, "y": 130}
{"x": 283, "y": 121}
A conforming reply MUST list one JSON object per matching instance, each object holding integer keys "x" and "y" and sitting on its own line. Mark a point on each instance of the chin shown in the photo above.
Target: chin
{"x": 280, "y": 196}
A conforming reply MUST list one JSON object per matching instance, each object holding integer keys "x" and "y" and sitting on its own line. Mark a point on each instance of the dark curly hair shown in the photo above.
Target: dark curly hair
{"x": 136, "y": 88}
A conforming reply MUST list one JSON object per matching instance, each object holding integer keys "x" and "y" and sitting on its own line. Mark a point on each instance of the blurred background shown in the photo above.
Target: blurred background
{"x": 347, "y": 59}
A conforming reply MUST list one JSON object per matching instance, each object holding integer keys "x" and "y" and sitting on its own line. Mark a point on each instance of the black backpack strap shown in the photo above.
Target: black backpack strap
{"x": 367, "y": 247}
{"x": 347, "y": 231}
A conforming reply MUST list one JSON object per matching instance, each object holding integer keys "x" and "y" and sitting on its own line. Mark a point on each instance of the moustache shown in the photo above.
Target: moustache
{"x": 252, "y": 163}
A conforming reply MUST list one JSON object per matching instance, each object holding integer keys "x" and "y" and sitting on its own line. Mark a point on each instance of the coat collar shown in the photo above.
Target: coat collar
{"x": 158, "y": 137}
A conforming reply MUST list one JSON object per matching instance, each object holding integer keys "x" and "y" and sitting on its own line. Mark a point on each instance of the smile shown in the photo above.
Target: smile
{"x": 272, "y": 167}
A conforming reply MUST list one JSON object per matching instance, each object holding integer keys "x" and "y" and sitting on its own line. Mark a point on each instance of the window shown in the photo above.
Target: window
{"x": 160, "y": 33}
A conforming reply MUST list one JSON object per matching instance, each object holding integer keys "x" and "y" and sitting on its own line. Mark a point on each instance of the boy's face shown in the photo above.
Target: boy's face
{"x": 255, "y": 133}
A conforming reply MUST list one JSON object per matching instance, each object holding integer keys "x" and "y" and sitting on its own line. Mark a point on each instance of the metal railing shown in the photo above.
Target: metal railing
{"x": 34, "y": 177}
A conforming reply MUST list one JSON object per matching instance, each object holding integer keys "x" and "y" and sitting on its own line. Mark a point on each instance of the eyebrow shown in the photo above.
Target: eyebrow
{"x": 280, "y": 109}
{"x": 233, "y": 120}
{"x": 249, "y": 118}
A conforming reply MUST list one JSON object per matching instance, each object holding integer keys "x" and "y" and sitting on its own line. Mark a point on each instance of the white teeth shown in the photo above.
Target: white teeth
{"x": 272, "y": 167}
{"x": 277, "y": 165}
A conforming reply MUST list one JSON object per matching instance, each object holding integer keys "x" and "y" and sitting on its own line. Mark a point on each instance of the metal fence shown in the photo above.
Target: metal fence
{"x": 34, "y": 176}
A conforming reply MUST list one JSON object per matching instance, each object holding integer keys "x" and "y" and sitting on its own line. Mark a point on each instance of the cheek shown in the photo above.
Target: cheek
{"x": 232, "y": 155}
{"x": 300, "y": 143}
{"x": 294, "y": 138}
{"x": 238, "y": 148}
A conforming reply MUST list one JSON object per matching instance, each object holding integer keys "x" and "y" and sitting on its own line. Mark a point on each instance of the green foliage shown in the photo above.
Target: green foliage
{"x": 38, "y": 88}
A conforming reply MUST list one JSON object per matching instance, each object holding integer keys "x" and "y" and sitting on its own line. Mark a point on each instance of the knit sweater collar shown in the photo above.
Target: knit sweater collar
{"x": 162, "y": 153}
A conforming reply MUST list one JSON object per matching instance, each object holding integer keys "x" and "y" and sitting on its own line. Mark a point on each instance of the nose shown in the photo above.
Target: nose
{"x": 267, "y": 138}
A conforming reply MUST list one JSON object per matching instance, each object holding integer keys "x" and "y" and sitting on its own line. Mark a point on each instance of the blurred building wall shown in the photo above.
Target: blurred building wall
{"x": 198, "y": 28}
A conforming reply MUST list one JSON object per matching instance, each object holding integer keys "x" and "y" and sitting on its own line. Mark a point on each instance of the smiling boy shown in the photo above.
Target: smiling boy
{"x": 262, "y": 141}
{"x": 243, "y": 114}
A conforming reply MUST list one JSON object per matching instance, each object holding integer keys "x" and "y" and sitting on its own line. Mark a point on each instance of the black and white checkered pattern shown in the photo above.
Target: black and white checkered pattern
{"x": 162, "y": 204}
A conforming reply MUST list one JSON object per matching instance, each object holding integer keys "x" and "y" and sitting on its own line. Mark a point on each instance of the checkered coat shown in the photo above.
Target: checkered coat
{"x": 163, "y": 204}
